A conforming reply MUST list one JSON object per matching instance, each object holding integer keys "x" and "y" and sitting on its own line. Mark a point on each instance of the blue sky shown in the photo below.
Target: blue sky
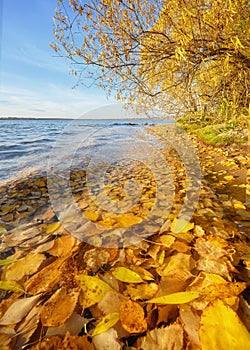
{"x": 33, "y": 82}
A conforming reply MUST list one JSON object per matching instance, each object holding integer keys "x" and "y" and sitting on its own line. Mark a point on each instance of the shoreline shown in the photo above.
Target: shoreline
{"x": 208, "y": 255}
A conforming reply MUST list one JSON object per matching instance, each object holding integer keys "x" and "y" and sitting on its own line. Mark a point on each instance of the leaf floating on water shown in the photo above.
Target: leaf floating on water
{"x": 23, "y": 267}
{"x": 11, "y": 286}
{"x": 59, "y": 307}
{"x": 106, "y": 323}
{"x": 18, "y": 310}
{"x": 181, "y": 226}
{"x": 175, "y": 298}
{"x": 132, "y": 317}
{"x": 93, "y": 289}
{"x": 53, "y": 227}
{"x": 222, "y": 329}
{"x": 126, "y": 275}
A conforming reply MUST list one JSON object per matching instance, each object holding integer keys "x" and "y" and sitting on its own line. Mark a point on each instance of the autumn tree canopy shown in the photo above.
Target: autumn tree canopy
{"x": 176, "y": 55}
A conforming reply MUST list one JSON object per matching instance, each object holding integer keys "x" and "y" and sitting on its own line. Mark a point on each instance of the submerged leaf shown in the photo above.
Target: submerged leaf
{"x": 59, "y": 307}
{"x": 222, "y": 329}
{"x": 53, "y": 227}
{"x": 11, "y": 286}
{"x": 181, "y": 226}
{"x": 93, "y": 289}
{"x": 175, "y": 298}
{"x": 106, "y": 323}
{"x": 23, "y": 267}
{"x": 18, "y": 310}
{"x": 132, "y": 317}
{"x": 126, "y": 275}
{"x": 6, "y": 262}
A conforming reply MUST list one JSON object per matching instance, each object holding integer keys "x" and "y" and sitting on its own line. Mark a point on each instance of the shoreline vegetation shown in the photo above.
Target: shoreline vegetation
{"x": 59, "y": 292}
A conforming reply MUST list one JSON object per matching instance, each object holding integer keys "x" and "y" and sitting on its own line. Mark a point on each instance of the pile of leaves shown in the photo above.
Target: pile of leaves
{"x": 183, "y": 287}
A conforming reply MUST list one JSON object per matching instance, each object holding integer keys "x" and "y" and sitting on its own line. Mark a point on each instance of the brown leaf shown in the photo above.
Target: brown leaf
{"x": 59, "y": 307}
{"x": 132, "y": 317}
{"x": 62, "y": 246}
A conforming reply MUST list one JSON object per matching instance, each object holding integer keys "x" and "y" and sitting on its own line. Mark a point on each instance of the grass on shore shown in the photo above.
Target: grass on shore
{"x": 216, "y": 132}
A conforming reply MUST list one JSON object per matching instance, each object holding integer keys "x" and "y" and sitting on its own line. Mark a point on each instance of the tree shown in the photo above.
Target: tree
{"x": 177, "y": 55}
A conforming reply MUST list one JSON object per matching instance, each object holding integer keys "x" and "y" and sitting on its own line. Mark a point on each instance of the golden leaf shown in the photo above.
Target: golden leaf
{"x": 181, "y": 226}
{"x": 175, "y": 298}
{"x": 93, "y": 289}
{"x": 128, "y": 220}
{"x": 142, "y": 291}
{"x": 106, "y": 323}
{"x": 23, "y": 267}
{"x": 126, "y": 275}
{"x": 52, "y": 227}
{"x": 6, "y": 262}
{"x": 59, "y": 307}
{"x": 62, "y": 246}
{"x": 132, "y": 317}
{"x": 222, "y": 329}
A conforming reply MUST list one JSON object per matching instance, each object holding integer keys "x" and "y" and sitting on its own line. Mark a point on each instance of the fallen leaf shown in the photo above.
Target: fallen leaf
{"x": 11, "y": 286}
{"x": 142, "y": 291}
{"x": 52, "y": 227}
{"x": 107, "y": 341}
{"x": 110, "y": 302}
{"x": 168, "y": 338}
{"x": 23, "y": 267}
{"x": 73, "y": 325}
{"x": 5, "y": 342}
{"x": 18, "y": 310}
{"x": 222, "y": 329}
{"x": 6, "y": 262}
{"x": 128, "y": 220}
{"x": 126, "y": 275}
{"x": 175, "y": 298}
{"x": 228, "y": 178}
{"x": 132, "y": 317}
{"x": 93, "y": 289}
{"x": 181, "y": 226}
{"x": 191, "y": 323}
{"x": 106, "y": 323}
{"x": 59, "y": 307}
{"x": 62, "y": 246}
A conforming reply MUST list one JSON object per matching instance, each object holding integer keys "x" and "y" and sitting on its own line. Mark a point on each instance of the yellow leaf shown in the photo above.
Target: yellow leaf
{"x": 228, "y": 178}
{"x": 175, "y": 298}
{"x": 222, "y": 329}
{"x": 92, "y": 215}
{"x": 59, "y": 307}
{"x": 106, "y": 323}
{"x": 142, "y": 291}
{"x": 126, "y": 275}
{"x": 181, "y": 226}
{"x": 132, "y": 317}
{"x": 93, "y": 289}
{"x": 239, "y": 205}
{"x": 128, "y": 220}
{"x": 10, "y": 285}
{"x": 53, "y": 227}
{"x": 23, "y": 267}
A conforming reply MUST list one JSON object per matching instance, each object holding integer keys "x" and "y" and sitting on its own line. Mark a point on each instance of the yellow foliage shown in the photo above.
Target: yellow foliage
{"x": 106, "y": 323}
{"x": 222, "y": 329}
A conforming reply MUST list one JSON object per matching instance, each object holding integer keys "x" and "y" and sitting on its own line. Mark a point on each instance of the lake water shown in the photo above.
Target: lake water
{"x": 28, "y": 145}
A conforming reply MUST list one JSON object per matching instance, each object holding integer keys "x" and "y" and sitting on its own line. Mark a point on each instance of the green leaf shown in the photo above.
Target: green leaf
{"x": 181, "y": 226}
{"x": 6, "y": 262}
{"x": 126, "y": 275}
{"x": 11, "y": 286}
{"x": 175, "y": 298}
{"x": 106, "y": 323}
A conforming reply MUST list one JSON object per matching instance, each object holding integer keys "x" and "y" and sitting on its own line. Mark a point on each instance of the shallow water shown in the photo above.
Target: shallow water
{"x": 27, "y": 145}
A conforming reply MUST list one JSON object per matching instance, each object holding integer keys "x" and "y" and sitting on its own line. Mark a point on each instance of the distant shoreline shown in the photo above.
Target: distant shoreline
{"x": 33, "y": 118}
